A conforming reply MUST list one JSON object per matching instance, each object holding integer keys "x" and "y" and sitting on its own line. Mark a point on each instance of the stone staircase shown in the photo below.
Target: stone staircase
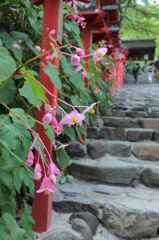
{"x": 116, "y": 175}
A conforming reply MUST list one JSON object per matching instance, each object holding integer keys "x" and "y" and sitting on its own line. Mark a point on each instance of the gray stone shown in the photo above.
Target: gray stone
{"x": 76, "y": 149}
{"x": 156, "y": 136}
{"x": 96, "y": 149}
{"x": 89, "y": 218}
{"x": 142, "y": 108}
{"x": 145, "y": 151}
{"x": 110, "y": 190}
{"x": 119, "y": 122}
{"x": 75, "y": 202}
{"x": 149, "y": 123}
{"x": 99, "y": 123}
{"x": 134, "y": 135}
{"x": 130, "y": 218}
{"x": 136, "y": 114}
{"x": 150, "y": 175}
{"x": 93, "y": 132}
{"x": 119, "y": 113}
{"x": 60, "y": 234}
{"x": 117, "y": 148}
{"x": 108, "y": 169}
{"x": 155, "y": 109}
{"x": 111, "y": 133}
{"x": 81, "y": 226}
{"x": 154, "y": 114}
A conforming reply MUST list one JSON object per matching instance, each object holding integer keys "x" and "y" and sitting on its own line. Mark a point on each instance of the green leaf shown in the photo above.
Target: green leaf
{"x": 75, "y": 100}
{"x": 81, "y": 130}
{"x": 36, "y": 88}
{"x": 3, "y": 229}
{"x": 69, "y": 178}
{"x": 7, "y": 64}
{"x": 70, "y": 132}
{"x": 49, "y": 132}
{"x": 26, "y": 117}
{"x": 27, "y": 178}
{"x": 52, "y": 72}
{"x": 18, "y": 54}
{"x": 26, "y": 91}
{"x": 7, "y": 93}
{"x": 62, "y": 158}
{"x": 55, "y": 50}
{"x": 62, "y": 179}
{"x": 7, "y": 207}
{"x": 28, "y": 222}
{"x": 15, "y": 232}
{"x": 6, "y": 186}
{"x": 17, "y": 181}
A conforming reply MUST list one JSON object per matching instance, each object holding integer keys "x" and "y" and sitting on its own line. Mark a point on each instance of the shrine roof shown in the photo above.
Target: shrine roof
{"x": 138, "y": 48}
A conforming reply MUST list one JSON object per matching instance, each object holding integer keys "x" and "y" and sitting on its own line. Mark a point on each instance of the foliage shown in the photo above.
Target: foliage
{"x": 139, "y": 21}
{"x": 21, "y": 95}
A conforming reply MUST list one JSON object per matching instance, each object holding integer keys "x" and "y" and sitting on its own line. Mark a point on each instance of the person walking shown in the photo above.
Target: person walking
{"x": 136, "y": 69}
{"x": 150, "y": 72}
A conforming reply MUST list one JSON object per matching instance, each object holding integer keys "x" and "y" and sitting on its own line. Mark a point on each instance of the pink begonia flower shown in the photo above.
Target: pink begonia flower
{"x": 65, "y": 35}
{"x": 75, "y": 60}
{"x": 59, "y": 129}
{"x": 38, "y": 48}
{"x": 52, "y": 32}
{"x": 63, "y": 146}
{"x": 52, "y": 170}
{"x": 89, "y": 108}
{"x": 20, "y": 41}
{"x": 54, "y": 121}
{"x": 47, "y": 29}
{"x": 73, "y": 118}
{"x": 92, "y": 74}
{"x": 43, "y": 50}
{"x": 30, "y": 159}
{"x": 46, "y": 186}
{"x": 95, "y": 92}
{"x": 78, "y": 68}
{"x": 47, "y": 118}
{"x": 83, "y": 74}
{"x": 80, "y": 52}
{"x": 15, "y": 45}
{"x": 37, "y": 172}
{"x": 97, "y": 56}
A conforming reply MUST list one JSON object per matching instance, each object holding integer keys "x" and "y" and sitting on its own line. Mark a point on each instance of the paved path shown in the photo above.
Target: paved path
{"x": 115, "y": 191}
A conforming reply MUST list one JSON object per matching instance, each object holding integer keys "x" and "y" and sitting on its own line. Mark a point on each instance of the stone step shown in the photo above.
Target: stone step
{"x": 113, "y": 133}
{"x": 149, "y": 123}
{"x": 117, "y": 171}
{"x": 119, "y": 122}
{"x": 146, "y": 151}
{"x": 138, "y": 134}
{"x": 125, "y": 212}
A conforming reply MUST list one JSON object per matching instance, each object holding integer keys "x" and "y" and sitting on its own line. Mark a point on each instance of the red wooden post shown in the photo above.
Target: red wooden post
{"x": 42, "y": 204}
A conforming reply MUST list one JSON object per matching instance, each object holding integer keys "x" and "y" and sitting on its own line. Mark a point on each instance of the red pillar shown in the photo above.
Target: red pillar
{"x": 42, "y": 204}
{"x": 87, "y": 40}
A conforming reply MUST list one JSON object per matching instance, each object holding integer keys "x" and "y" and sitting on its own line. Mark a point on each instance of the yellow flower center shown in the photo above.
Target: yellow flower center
{"x": 46, "y": 192}
{"x": 100, "y": 55}
{"x": 75, "y": 120}
{"x": 92, "y": 111}
{"x": 63, "y": 147}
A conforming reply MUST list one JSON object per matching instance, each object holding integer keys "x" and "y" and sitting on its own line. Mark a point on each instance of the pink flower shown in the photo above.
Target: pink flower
{"x": 37, "y": 172}
{"x": 54, "y": 121}
{"x": 63, "y": 146}
{"x": 30, "y": 159}
{"x": 89, "y": 108}
{"x": 46, "y": 186}
{"x": 65, "y": 35}
{"x": 52, "y": 32}
{"x": 47, "y": 118}
{"x": 97, "y": 56}
{"x": 47, "y": 29}
{"x": 78, "y": 68}
{"x": 75, "y": 60}
{"x": 59, "y": 129}
{"x": 80, "y": 52}
{"x": 52, "y": 170}
{"x": 38, "y": 48}
{"x": 95, "y": 92}
{"x": 83, "y": 74}
{"x": 15, "y": 45}
{"x": 20, "y": 41}
{"x": 73, "y": 118}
